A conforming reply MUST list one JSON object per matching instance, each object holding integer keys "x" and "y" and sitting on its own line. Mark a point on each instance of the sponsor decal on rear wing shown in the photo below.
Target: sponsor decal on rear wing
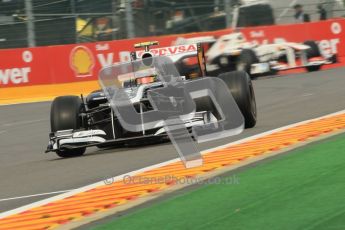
{"x": 174, "y": 52}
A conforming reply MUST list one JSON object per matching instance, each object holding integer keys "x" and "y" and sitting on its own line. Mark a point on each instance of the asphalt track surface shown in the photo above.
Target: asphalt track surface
{"x": 26, "y": 170}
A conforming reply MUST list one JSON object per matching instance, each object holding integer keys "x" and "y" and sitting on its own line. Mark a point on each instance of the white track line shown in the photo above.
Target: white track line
{"x": 120, "y": 177}
{"x": 34, "y": 195}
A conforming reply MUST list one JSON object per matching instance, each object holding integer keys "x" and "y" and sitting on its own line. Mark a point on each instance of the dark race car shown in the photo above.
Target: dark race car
{"x": 78, "y": 122}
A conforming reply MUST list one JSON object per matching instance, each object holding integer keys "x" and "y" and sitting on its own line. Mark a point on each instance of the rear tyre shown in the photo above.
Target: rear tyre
{"x": 245, "y": 61}
{"x": 313, "y": 68}
{"x": 313, "y": 51}
{"x": 241, "y": 88}
{"x": 64, "y": 114}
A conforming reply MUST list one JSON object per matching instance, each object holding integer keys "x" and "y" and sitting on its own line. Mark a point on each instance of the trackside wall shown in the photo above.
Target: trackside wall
{"x": 82, "y": 62}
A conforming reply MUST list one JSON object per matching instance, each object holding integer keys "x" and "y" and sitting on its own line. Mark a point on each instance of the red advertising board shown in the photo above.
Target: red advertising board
{"x": 82, "y": 62}
{"x": 329, "y": 34}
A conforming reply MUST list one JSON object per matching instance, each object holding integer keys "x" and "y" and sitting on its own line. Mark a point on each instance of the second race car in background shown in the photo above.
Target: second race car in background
{"x": 234, "y": 52}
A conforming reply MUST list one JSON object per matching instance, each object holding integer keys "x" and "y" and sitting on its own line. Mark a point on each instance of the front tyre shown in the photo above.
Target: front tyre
{"x": 64, "y": 115}
{"x": 241, "y": 88}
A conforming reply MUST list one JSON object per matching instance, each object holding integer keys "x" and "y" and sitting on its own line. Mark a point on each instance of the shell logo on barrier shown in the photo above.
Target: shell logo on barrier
{"x": 82, "y": 61}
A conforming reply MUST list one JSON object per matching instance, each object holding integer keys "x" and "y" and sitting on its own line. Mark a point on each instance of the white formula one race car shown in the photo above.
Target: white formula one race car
{"x": 234, "y": 52}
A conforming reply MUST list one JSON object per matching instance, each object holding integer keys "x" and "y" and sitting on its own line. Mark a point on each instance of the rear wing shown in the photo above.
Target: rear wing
{"x": 175, "y": 53}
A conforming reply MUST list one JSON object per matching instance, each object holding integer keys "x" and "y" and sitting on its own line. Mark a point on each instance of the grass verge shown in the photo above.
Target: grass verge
{"x": 304, "y": 189}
